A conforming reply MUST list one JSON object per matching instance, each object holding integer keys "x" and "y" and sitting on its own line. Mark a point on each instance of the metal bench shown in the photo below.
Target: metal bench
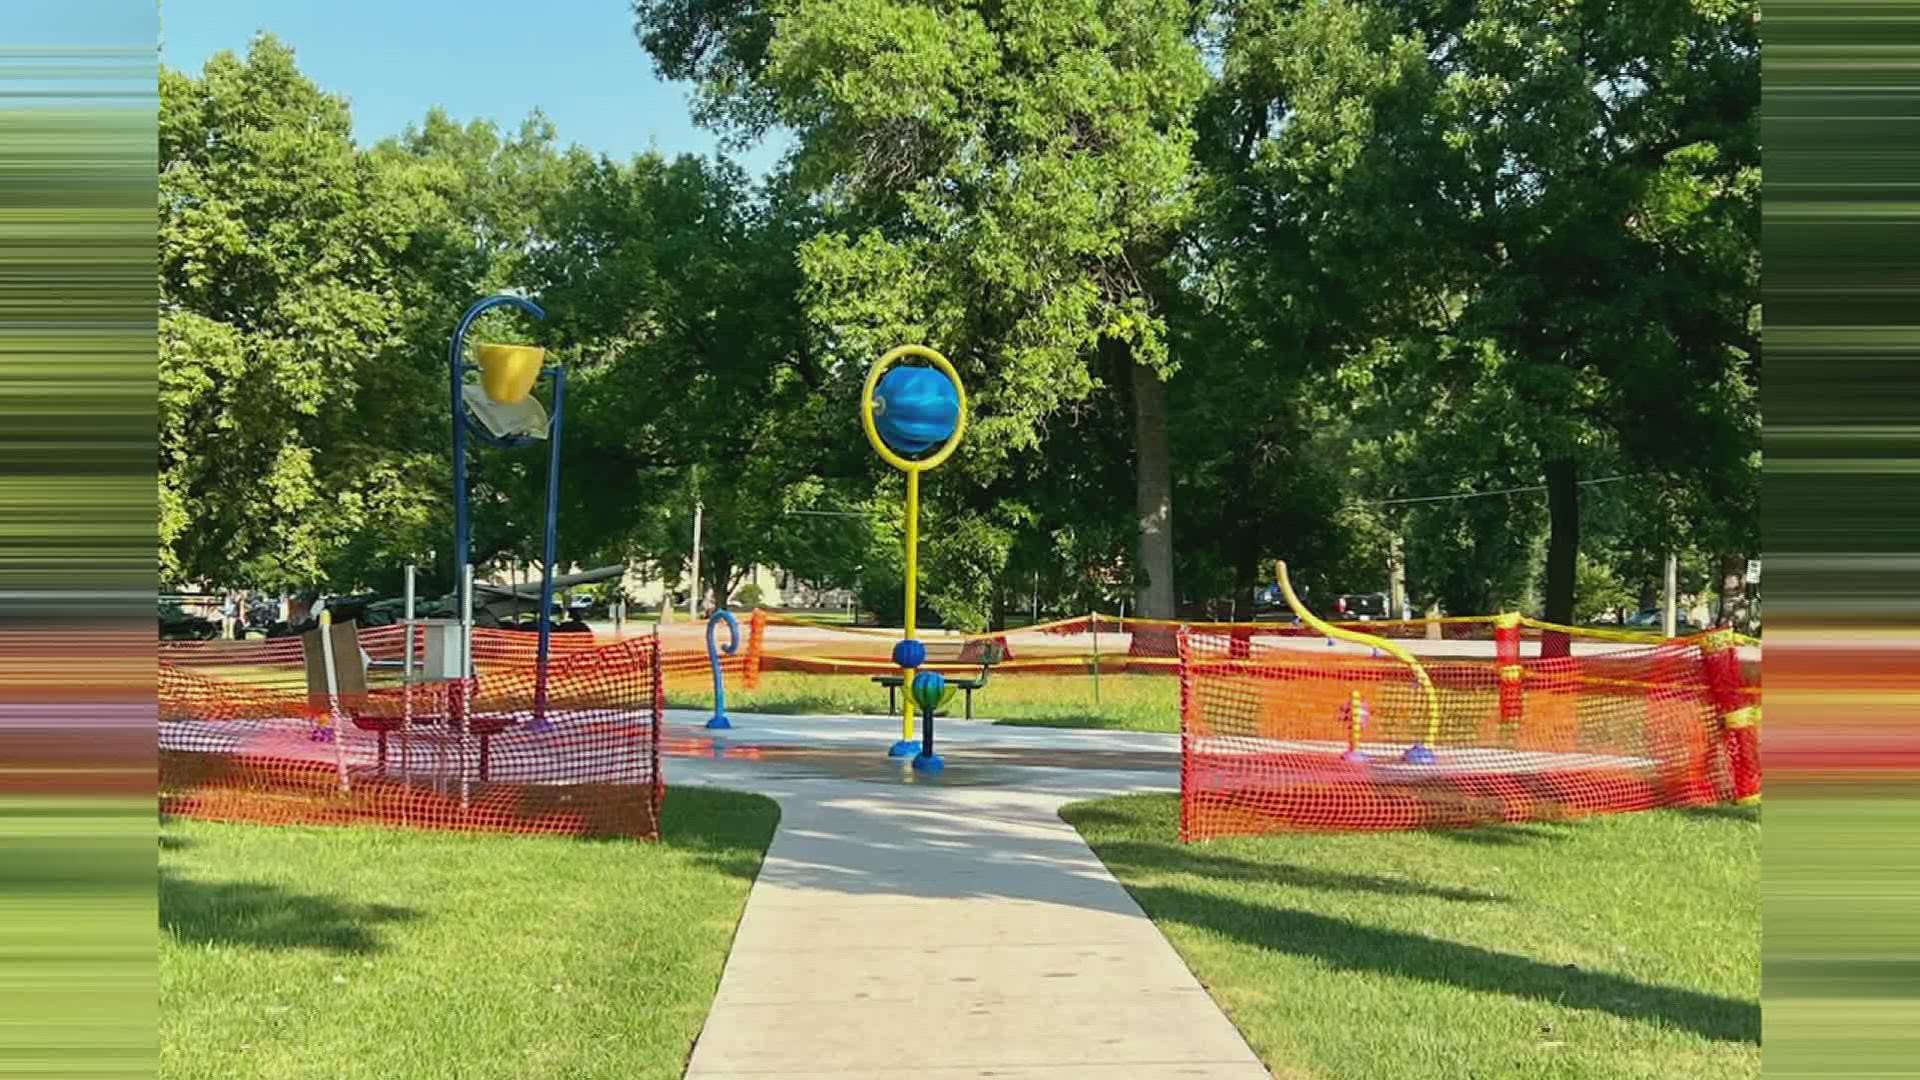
{"x": 989, "y": 656}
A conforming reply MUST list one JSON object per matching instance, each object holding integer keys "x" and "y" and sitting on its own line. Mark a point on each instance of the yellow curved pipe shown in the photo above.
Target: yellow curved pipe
{"x": 1354, "y": 636}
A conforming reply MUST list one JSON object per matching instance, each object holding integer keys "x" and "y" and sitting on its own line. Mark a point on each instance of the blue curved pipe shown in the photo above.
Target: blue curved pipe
{"x": 713, "y": 657}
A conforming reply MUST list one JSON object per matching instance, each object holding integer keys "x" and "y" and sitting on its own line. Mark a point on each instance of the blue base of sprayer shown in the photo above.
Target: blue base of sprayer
{"x": 1354, "y": 757}
{"x": 718, "y": 722}
{"x": 904, "y": 748}
{"x": 928, "y": 763}
{"x": 1419, "y": 755}
{"x": 541, "y": 725}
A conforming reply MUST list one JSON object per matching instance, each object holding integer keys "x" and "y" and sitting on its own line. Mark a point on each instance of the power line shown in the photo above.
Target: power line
{"x": 1481, "y": 494}
{"x": 835, "y": 513}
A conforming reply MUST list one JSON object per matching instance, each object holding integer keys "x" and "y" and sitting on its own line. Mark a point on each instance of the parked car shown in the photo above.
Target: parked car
{"x": 1362, "y": 607}
{"x": 177, "y": 625}
{"x": 1653, "y": 619}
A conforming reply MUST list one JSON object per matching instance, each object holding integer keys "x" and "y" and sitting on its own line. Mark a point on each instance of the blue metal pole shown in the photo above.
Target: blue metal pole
{"x": 553, "y": 537}
{"x": 462, "y": 531}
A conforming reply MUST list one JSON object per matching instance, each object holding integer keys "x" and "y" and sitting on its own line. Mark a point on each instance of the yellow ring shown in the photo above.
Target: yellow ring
{"x": 880, "y": 446}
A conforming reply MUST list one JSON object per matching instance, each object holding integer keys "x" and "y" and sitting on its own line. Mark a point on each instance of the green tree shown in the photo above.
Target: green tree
{"x": 1007, "y": 180}
{"x": 1555, "y": 201}
{"x": 674, "y": 286}
{"x": 277, "y": 308}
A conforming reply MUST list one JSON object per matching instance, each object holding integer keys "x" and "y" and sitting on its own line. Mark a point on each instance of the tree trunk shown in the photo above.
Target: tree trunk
{"x": 1563, "y": 548}
{"x": 997, "y": 617}
{"x": 718, "y": 576}
{"x": 1246, "y": 574}
{"x": 1153, "y": 495}
{"x": 1734, "y": 611}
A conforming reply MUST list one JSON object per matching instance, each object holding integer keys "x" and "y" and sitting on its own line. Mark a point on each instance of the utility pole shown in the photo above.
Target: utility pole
{"x": 693, "y": 594}
{"x": 1397, "y": 580}
{"x": 1669, "y": 616}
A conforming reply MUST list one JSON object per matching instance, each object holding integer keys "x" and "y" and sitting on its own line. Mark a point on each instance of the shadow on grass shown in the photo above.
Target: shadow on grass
{"x": 1350, "y": 946}
{"x": 1143, "y": 857}
{"x": 727, "y": 830}
{"x": 169, "y": 842}
{"x": 1723, "y": 812}
{"x": 1507, "y": 835}
{"x": 262, "y": 916}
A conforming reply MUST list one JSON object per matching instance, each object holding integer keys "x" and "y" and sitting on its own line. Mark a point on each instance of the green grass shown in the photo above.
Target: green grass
{"x": 1622, "y": 946}
{"x": 77, "y": 967}
{"x": 1843, "y": 931}
{"x": 296, "y": 952}
{"x": 1127, "y": 702}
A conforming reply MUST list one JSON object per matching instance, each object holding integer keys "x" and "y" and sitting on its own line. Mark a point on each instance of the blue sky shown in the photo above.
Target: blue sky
{"x": 576, "y": 60}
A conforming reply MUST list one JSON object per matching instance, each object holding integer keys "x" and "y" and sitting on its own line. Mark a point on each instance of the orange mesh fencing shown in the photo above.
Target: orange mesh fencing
{"x": 279, "y": 659}
{"x": 1269, "y": 741}
{"x": 241, "y": 739}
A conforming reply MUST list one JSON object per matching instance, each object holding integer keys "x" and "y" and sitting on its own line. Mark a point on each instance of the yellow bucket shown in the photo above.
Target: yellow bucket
{"x": 508, "y": 372}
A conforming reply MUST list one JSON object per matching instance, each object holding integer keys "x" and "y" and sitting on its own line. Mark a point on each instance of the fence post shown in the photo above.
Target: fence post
{"x": 657, "y": 789}
{"x": 1739, "y": 721}
{"x": 1184, "y": 648}
{"x": 756, "y": 643}
{"x": 1094, "y": 621}
{"x": 1506, "y": 647}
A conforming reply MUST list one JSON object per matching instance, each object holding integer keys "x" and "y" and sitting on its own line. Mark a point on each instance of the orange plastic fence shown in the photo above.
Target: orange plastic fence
{"x": 1269, "y": 740}
{"x": 242, "y": 740}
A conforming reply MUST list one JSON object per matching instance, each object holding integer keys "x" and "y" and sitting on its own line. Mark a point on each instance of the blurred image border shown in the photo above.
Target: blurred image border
{"x": 1841, "y": 520}
{"x": 78, "y": 294}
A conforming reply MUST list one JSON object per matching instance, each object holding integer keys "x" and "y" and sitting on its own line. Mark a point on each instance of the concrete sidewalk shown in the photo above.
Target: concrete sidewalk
{"x": 940, "y": 931}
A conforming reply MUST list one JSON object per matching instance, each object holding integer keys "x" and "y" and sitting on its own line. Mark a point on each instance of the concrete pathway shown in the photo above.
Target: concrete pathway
{"x": 906, "y": 926}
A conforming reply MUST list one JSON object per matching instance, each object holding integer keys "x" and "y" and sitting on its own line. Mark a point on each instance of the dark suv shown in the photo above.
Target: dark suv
{"x": 1361, "y": 607}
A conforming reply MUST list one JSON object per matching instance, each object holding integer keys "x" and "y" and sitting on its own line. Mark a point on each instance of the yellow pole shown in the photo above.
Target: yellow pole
{"x": 913, "y": 590}
{"x": 913, "y": 469}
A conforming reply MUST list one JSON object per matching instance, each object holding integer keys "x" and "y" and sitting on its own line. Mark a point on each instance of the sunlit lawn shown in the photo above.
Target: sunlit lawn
{"x": 1127, "y": 702}
{"x": 296, "y": 952}
{"x": 1616, "y": 947}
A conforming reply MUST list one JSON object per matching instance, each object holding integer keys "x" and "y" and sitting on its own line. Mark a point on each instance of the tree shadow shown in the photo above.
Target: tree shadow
{"x": 170, "y": 842}
{"x": 1506, "y": 835}
{"x": 1159, "y": 858}
{"x": 1723, "y": 812}
{"x": 1345, "y": 945}
{"x": 1096, "y": 812}
{"x": 258, "y": 915}
{"x": 726, "y": 830}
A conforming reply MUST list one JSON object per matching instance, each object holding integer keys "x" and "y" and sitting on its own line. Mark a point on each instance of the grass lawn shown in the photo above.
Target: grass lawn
{"x": 1622, "y": 946}
{"x": 1127, "y": 702}
{"x": 76, "y": 936}
{"x": 1843, "y": 931}
{"x": 293, "y": 952}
